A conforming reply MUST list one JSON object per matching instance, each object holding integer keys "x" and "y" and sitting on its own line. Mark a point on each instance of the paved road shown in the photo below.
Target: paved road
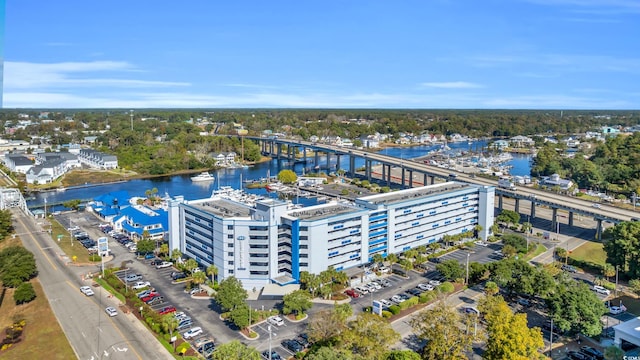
{"x": 91, "y": 333}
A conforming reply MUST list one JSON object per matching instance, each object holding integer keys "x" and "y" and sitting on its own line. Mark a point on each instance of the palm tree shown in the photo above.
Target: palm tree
{"x": 176, "y": 254}
{"x": 212, "y": 271}
{"x": 341, "y": 278}
{"x": 190, "y": 265}
{"x": 164, "y": 249}
{"x": 608, "y": 271}
{"x": 392, "y": 258}
{"x": 170, "y": 323}
{"x": 198, "y": 278}
{"x": 377, "y": 258}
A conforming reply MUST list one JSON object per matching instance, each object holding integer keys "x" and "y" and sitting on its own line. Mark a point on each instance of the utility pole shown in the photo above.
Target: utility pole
{"x": 131, "y": 113}
{"x": 615, "y": 292}
{"x": 467, "y": 278}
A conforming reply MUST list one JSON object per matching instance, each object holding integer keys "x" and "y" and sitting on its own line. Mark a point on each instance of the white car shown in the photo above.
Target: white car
{"x": 371, "y": 287}
{"x": 111, "y": 311}
{"x": 86, "y": 290}
{"x": 396, "y": 299}
{"x": 141, "y": 285}
{"x": 132, "y": 277}
{"x": 275, "y": 320}
{"x": 193, "y": 332}
{"x": 385, "y": 303}
{"x": 425, "y": 287}
{"x": 383, "y": 270}
{"x": 376, "y": 285}
{"x": 596, "y": 205}
{"x": 601, "y": 290}
{"x": 615, "y": 310}
{"x": 362, "y": 290}
{"x": 164, "y": 264}
{"x": 434, "y": 282}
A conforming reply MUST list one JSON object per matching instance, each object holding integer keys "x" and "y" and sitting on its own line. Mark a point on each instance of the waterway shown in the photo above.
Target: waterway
{"x": 182, "y": 184}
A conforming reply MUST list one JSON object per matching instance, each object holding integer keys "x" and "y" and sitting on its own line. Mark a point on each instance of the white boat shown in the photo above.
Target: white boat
{"x": 205, "y": 176}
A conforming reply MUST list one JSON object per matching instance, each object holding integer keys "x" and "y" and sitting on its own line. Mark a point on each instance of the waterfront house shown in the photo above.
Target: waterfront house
{"x": 18, "y": 163}
{"x": 555, "y": 180}
{"x": 520, "y": 141}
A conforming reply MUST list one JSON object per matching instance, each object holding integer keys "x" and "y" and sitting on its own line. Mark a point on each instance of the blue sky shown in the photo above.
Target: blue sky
{"x": 513, "y": 54}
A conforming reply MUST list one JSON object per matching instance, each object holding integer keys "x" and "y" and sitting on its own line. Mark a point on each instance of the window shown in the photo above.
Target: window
{"x": 304, "y": 256}
{"x": 229, "y": 227}
{"x": 230, "y": 271}
{"x": 230, "y": 236}
{"x": 230, "y": 253}
{"x": 304, "y": 246}
{"x": 304, "y": 264}
{"x": 229, "y": 245}
{"x": 230, "y": 262}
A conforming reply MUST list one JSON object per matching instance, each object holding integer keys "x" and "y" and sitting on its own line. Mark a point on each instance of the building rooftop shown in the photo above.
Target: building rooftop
{"x": 322, "y": 211}
{"x": 223, "y": 207}
{"x": 408, "y": 194}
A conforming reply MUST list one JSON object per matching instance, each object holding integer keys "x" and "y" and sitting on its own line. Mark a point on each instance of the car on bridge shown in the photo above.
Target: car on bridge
{"x": 86, "y": 290}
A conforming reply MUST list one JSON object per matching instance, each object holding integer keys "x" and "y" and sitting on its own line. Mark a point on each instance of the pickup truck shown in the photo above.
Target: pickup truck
{"x": 164, "y": 264}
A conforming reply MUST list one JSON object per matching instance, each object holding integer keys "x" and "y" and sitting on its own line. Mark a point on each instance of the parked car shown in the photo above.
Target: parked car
{"x": 569, "y": 268}
{"x": 86, "y": 290}
{"x": 352, "y": 293}
{"x": 193, "y": 332}
{"x": 274, "y": 355}
{"x": 524, "y": 302}
{"x": 111, "y": 311}
{"x": 155, "y": 262}
{"x": 141, "y": 285}
{"x": 434, "y": 282}
{"x": 385, "y": 282}
{"x": 178, "y": 276}
{"x": 164, "y": 264}
{"x": 574, "y": 355}
{"x": 615, "y": 310}
{"x": 292, "y": 345}
{"x": 167, "y": 310}
{"x": 184, "y": 324}
{"x": 385, "y": 303}
{"x": 375, "y": 285}
{"x": 149, "y": 297}
{"x": 275, "y": 320}
{"x": 362, "y": 290}
{"x": 396, "y": 299}
{"x": 370, "y": 287}
{"x": 601, "y": 290}
{"x": 146, "y": 293}
{"x": 196, "y": 290}
{"x": 156, "y": 301}
{"x": 132, "y": 278}
{"x": 414, "y": 292}
{"x": 383, "y": 270}
{"x": 206, "y": 348}
{"x": 303, "y": 340}
{"x": 593, "y": 352}
{"x": 425, "y": 287}
{"x": 471, "y": 310}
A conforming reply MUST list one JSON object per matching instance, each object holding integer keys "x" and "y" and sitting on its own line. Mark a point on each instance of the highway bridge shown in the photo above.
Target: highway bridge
{"x": 408, "y": 170}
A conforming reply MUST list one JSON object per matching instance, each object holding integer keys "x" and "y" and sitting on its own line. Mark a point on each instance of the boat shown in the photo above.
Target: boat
{"x": 205, "y": 176}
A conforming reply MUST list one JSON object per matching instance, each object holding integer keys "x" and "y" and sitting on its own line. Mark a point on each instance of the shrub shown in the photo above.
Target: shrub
{"x": 446, "y": 287}
{"x": 394, "y": 309}
{"x": 182, "y": 348}
{"x": 427, "y": 296}
{"x": 94, "y": 257}
{"x": 386, "y": 314}
{"x": 24, "y": 293}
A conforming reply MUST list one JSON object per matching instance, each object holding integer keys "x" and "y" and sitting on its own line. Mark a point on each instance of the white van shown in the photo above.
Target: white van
{"x": 601, "y": 290}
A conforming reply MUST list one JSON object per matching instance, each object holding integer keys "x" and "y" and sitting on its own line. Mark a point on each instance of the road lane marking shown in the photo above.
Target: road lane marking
{"x": 55, "y": 268}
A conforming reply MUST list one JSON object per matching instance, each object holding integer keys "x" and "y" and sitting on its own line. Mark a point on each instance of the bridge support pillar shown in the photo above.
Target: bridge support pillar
{"x": 271, "y": 144}
{"x": 532, "y": 215}
{"x": 500, "y": 202}
{"x": 410, "y": 178}
{"x": 279, "y": 147}
{"x": 432, "y": 180}
{"x": 384, "y": 172}
{"x": 389, "y": 175}
{"x": 352, "y": 166}
{"x": 517, "y": 206}
{"x": 328, "y": 162}
{"x": 424, "y": 179}
{"x": 316, "y": 159}
{"x": 554, "y": 219}
{"x": 368, "y": 169}
{"x": 599, "y": 229}
{"x": 337, "y": 162}
{"x": 570, "y": 218}
{"x": 402, "y": 175}
{"x": 304, "y": 154}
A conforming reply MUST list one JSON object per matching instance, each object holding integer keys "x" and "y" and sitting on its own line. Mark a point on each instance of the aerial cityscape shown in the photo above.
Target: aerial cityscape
{"x": 437, "y": 180}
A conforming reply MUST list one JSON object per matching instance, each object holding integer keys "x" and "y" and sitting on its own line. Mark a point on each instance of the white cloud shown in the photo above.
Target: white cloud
{"x": 38, "y": 76}
{"x": 594, "y": 6}
{"x": 452, "y": 85}
{"x": 565, "y": 62}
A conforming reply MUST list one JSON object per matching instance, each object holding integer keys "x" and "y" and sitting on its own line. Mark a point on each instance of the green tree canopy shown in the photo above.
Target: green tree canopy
{"x": 146, "y": 246}
{"x": 72, "y": 204}
{"x": 17, "y": 265}
{"x": 451, "y": 269}
{"x": 297, "y": 302}
{"x": 517, "y": 241}
{"x": 24, "y": 293}
{"x": 287, "y": 176}
{"x": 367, "y": 334}
{"x": 231, "y": 294}
{"x": 440, "y": 327}
{"x": 235, "y": 350}
{"x": 329, "y": 353}
{"x": 402, "y": 355}
{"x": 6, "y": 227}
{"x": 574, "y": 306}
{"x": 622, "y": 245}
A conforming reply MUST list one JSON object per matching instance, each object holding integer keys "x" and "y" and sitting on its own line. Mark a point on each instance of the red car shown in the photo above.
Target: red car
{"x": 352, "y": 293}
{"x": 149, "y": 297}
{"x": 166, "y": 310}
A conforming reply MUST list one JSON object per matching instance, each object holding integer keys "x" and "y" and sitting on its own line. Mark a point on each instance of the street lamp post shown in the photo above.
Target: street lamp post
{"x": 615, "y": 291}
{"x": 131, "y": 113}
{"x": 467, "y": 278}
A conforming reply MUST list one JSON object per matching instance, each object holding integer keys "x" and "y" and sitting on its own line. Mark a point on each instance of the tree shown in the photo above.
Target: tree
{"x": 240, "y": 316}
{"x": 613, "y": 353}
{"x": 297, "y": 302}
{"x": 235, "y": 350}
{"x": 72, "y": 204}
{"x": 325, "y": 325}
{"x": 190, "y": 265}
{"x": 509, "y": 217}
{"x": 608, "y": 271}
{"x": 6, "y": 226}
{"x": 212, "y": 271}
{"x": 517, "y": 241}
{"x": 146, "y": 246}
{"x": 622, "y": 245}
{"x": 526, "y": 227}
{"x": 634, "y": 285}
{"x": 231, "y": 294}
{"x": 451, "y": 269}
{"x": 377, "y": 258}
{"x": 24, "y": 293}
{"x": 287, "y": 176}
{"x": 170, "y": 324}
{"x": 367, "y": 334}
{"x": 17, "y": 265}
{"x": 198, "y": 278}
{"x": 392, "y": 259}
{"x": 509, "y": 251}
{"x": 343, "y": 311}
{"x": 440, "y": 327}
{"x": 401, "y": 355}
{"x": 574, "y": 306}
{"x": 509, "y": 337}
{"x": 176, "y": 254}
{"x": 491, "y": 288}
{"x": 328, "y": 353}
{"x": 164, "y": 249}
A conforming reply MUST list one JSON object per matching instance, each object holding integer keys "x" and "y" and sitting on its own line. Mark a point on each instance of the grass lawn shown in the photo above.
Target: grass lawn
{"x": 82, "y": 255}
{"x": 590, "y": 252}
{"x": 539, "y": 250}
{"x": 43, "y": 334}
